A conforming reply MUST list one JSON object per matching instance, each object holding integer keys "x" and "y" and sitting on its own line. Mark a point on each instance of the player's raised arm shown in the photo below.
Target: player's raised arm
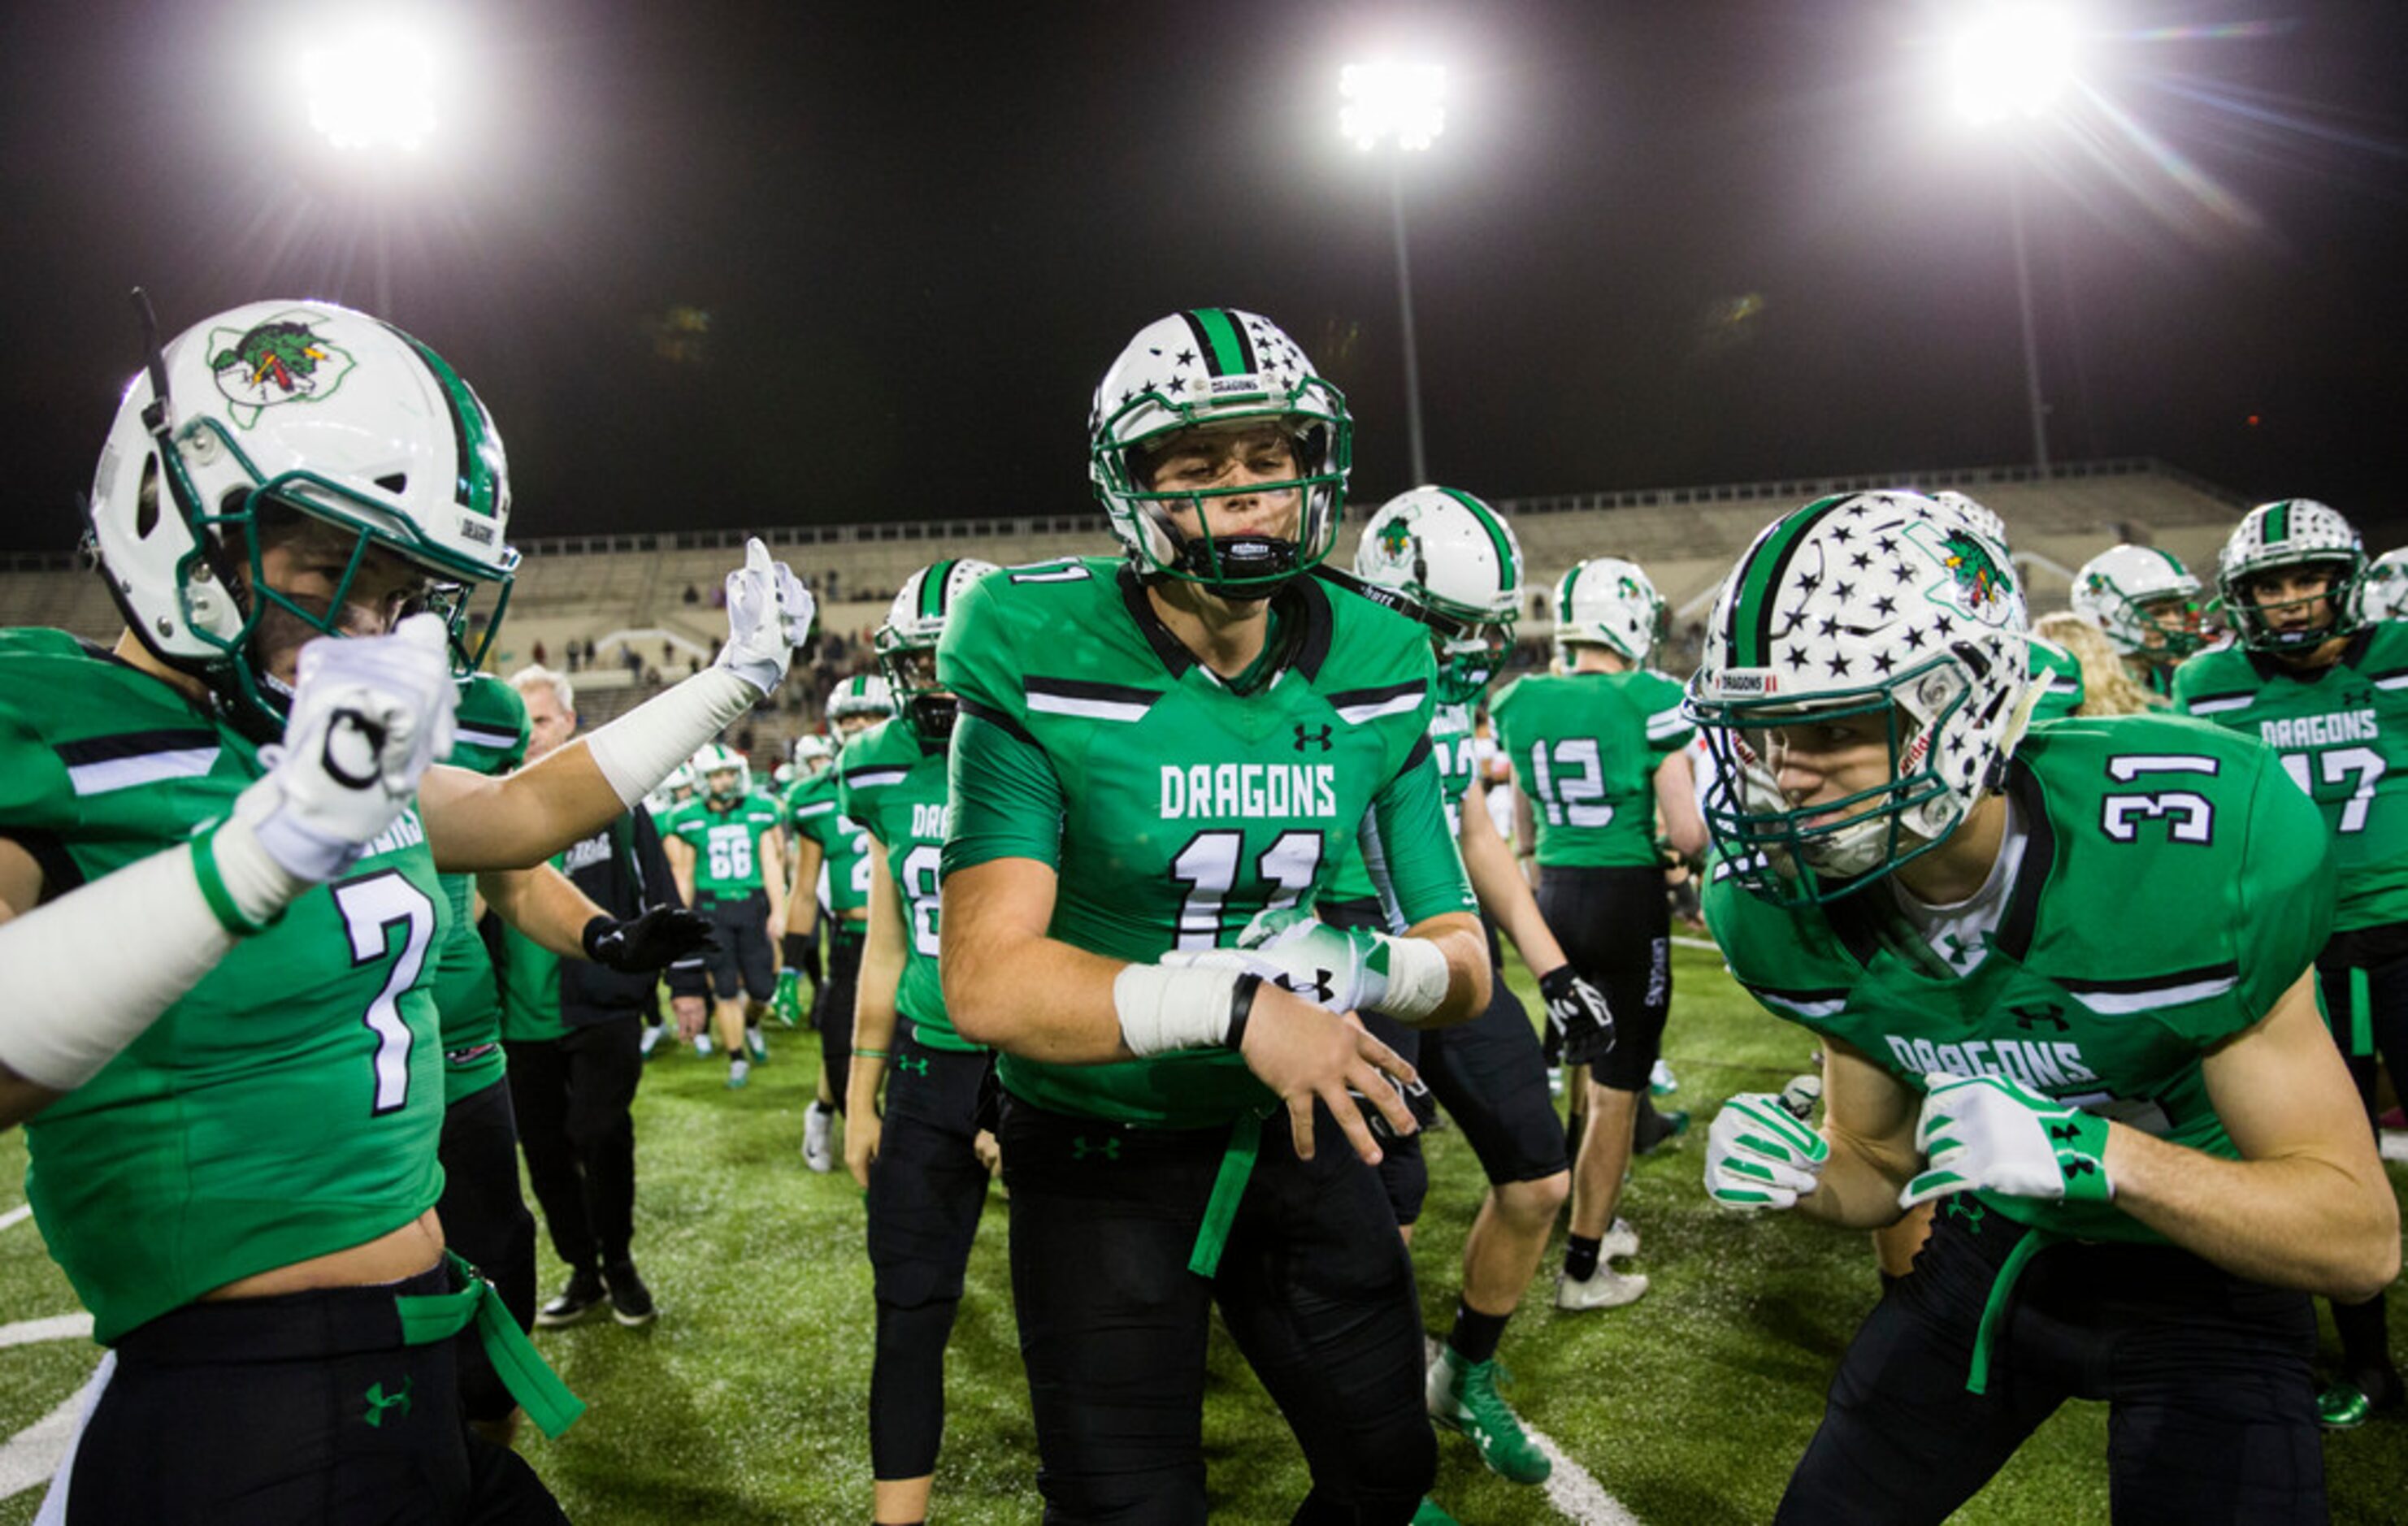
{"x": 473, "y": 822}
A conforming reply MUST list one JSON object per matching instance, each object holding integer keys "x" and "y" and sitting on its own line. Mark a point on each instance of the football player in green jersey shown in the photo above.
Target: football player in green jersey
{"x": 2136, "y": 1124}
{"x": 252, "y": 1181}
{"x": 1445, "y": 558}
{"x": 919, "y": 1160}
{"x": 809, "y": 756}
{"x": 832, "y": 865}
{"x": 1597, "y": 755}
{"x": 727, "y": 848}
{"x": 2148, "y": 604}
{"x": 2329, "y": 694}
{"x": 1156, "y": 756}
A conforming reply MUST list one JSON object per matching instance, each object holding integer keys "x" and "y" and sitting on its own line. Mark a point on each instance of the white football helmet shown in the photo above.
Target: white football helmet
{"x": 2383, "y": 592}
{"x": 1454, "y": 565}
{"x": 1874, "y": 603}
{"x": 1609, "y": 601}
{"x": 2137, "y": 592}
{"x": 721, "y": 772}
{"x": 300, "y": 407}
{"x": 1980, "y": 516}
{"x": 907, "y": 643}
{"x": 2290, "y": 533}
{"x": 859, "y": 703}
{"x": 1208, "y": 367}
{"x": 812, "y": 753}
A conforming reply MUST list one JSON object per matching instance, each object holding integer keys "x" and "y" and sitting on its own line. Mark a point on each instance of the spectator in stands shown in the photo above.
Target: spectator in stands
{"x": 538, "y": 654}
{"x": 693, "y": 595}
{"x": 589, "y": 651}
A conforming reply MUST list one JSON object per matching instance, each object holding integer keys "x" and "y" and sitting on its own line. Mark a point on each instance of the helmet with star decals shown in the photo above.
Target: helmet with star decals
{"x": 2297, "y": 536}
{"x": 1877, "y": 605}
{"x": 2383, "y": 592}
{"x": 1216, "y": 370}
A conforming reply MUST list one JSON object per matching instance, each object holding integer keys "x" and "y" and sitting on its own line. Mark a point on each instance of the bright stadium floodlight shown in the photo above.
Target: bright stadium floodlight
{"x": 1401, "y": 103}
{"x": 372, "y": 88}
{"x": 2012, "y": 60}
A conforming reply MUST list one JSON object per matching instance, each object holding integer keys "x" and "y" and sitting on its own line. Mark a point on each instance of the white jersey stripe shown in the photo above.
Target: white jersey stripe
{"x": 2217, "y": 706}
{"x": 2118, "y": 1002}
{"x": 1355, "y": 715}
{"x": 94, "y": 778}
{"x": 1086, "y": 709}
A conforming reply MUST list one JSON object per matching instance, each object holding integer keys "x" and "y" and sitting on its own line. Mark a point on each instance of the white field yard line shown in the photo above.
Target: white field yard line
{"x": 58, "y": 1327}
{"x": 1575, "y": 1493}
{"x": 17, "y": 1215}
{"x": 32, "y": 1455}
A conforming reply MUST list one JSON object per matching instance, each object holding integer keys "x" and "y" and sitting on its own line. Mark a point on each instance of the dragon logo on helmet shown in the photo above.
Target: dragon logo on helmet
{"x": 1979, "y": 586}
{"x": 282, "y": 361}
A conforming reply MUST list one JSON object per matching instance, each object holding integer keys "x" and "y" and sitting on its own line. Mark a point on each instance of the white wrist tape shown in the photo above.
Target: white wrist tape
{"x": 1418, "y": 979}
{"x": 1165, "y": 1008}
{"x": 253, "y": 870}
{"x": 75, "y": 998}
{"x": 643, "y": 746}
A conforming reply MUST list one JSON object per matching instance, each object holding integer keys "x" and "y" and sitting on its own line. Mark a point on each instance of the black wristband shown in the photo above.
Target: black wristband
{"x": 591, "y": 938}
{"x": 1241, "y": 1008}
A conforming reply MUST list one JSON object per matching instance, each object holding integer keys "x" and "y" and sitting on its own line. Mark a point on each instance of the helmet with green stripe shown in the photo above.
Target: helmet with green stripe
{"x": 1879, "y": 604}
{"x": 810, "y": 755}
{"x": 1454, "y": 565}
{"x": 1608, "y": 602}
{"x": 907, "y": 643}
{"x": 1217, "y": 369}
{"x": 2290, "y": 532}
{"x": 721, "y": 772}
{"x": 862, "y": 697}
{"x": 279, "y": 410}
{"x": 2383, "y": 592}
{"x": 2144, "y": 599}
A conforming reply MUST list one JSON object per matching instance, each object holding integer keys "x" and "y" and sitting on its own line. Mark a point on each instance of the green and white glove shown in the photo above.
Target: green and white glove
{"x": 1992, "y": 1133}
{"x": 1759, "y": 1155}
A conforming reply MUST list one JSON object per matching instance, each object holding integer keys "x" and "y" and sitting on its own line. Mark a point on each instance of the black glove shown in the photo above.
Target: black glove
{"x": 659, "y": 937}
{"x": 1577, "y": 1013}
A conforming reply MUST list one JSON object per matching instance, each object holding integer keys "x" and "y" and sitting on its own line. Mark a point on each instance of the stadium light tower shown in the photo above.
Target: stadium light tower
{"x": 1404, "y": 105}
{"x": 2012, "y": 64}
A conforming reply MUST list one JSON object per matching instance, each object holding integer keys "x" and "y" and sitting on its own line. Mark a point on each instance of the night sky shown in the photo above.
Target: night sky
{"x": 744, "y": 265}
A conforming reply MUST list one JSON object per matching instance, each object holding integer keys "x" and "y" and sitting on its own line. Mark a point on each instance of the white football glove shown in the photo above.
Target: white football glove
{"x": 1759, "y": 1156}
{"x": 1990, "y": 1131}
{"x": 368, "y": 714}
{"x": 769, "y": 613}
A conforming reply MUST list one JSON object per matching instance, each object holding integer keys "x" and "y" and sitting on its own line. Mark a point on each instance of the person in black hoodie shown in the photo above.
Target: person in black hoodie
{"x": 573, "y": 1032}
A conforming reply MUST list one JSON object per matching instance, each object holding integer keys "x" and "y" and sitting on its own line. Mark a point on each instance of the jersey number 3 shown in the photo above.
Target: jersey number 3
{"x": 372, "y": 907}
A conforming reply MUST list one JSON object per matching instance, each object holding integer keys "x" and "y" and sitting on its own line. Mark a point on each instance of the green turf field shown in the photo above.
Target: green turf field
{"x": 747, "y": 1401}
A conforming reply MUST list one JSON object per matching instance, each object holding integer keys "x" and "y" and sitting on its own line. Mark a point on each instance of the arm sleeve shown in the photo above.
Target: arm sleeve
{"x": 1407, "y": 849}
{"x": 1007, "y": 800}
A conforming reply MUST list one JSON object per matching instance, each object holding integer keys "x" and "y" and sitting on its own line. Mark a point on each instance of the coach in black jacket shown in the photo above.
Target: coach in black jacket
{"x": 573, "y": 1032}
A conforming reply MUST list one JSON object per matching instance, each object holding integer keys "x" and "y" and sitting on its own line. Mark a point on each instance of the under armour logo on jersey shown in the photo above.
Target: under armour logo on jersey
{"x": 1080, "y": 1149}
{"x": 1967, "y": 1208}
{"x": 2029, "y": 1017}
{"x": 1302, "y": 736}
{"x": 912, "y": 1064}
{"x": 378, "y": 1402}
{"x": 1318, "y": 990}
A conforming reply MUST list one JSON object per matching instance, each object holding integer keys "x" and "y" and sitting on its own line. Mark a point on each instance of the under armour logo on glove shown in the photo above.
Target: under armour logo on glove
{"x": 1320, "y": 738}
{"x": 1316, "y": 990}
{"x": 1997, "y": 1135}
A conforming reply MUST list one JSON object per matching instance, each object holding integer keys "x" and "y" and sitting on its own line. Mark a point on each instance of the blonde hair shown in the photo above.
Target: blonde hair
{"x": 2108, "y": 687}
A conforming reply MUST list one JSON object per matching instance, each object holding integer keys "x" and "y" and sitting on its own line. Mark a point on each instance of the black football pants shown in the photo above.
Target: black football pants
{"x": 2209, "y": 1417}
{"x": 573, "y": 1096}
{"x": 1314, "y": 1285}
